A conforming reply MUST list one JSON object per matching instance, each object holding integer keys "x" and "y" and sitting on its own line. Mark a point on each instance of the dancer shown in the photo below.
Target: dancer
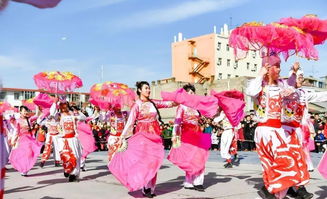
{"x": 227, "y": 143}
{"x": 299, "y": 117}
{"x": 69, "y": 145}
{"x": 192, "y": 154}
{"x": 137, "y": 167}
{"x": 117, "y": 123}
{"x": 85, "y": 136}
{"x": 26, "y": 149}
{"x": 278, "y": 161}
{"x": 51, "y": 142}
{"x": 292, "y": 115}
{"x": 3, "y": 157}
{"x": 10, "y": 132}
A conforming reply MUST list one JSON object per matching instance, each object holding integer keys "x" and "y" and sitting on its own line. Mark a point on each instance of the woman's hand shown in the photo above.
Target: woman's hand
{"x": 174, "y": 139}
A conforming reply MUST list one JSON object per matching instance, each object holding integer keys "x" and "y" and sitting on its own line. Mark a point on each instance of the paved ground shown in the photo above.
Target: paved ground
{"x": 242, "y": 181}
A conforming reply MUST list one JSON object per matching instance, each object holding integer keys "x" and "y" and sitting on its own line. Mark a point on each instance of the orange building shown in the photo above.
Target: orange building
{"x": 206, "y": 57}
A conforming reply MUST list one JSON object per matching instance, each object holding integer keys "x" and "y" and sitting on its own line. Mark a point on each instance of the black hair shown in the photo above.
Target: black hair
{"x": 139, "y": 85}
{"x": 74, "y": 107}
{"x": 188, "y": 87}
{"x": 23, "y": 107}
{"x": 68, "y": 106}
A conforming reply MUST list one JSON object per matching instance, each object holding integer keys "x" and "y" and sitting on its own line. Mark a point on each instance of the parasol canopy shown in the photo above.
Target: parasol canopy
{"x": 310, "y": 24}
{"x": 43, "y": 100}
{"x": 271, "y": 38}
{"x": 109, "y": 94}
{"x": 57, "y": 82}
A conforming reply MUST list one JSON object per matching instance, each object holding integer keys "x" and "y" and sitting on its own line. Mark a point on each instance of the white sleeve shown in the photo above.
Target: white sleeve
{"x": 219, "y": 118}
{"x": 316, "y": 96}
{"x": 53, "y": 109}
{"x": 254, "y": 87}
{"x": 81, "y": 117}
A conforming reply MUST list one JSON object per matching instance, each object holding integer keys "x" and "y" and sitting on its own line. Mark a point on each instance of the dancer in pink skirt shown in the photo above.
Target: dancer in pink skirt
{"x": 24, "y": 153}
{"x": 192, "y": 154}
{"x": 137, "y": 166}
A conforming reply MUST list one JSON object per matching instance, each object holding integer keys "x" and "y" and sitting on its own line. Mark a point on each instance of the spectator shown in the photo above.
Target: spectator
{"x": 240, "y": 136}
{"x": 249, "y": 128}
{"x": 316, "y": 122}
{"x": 320, "y": 142}
{"x": 214, "y": 140}
{"x": 167, "y": 135}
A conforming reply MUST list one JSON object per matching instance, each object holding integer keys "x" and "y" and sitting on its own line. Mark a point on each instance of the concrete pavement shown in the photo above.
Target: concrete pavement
{"x": 242, "y": 181}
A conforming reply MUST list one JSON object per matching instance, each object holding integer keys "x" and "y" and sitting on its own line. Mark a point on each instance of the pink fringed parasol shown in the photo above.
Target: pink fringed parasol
{"x": 40, "y": 3}
{"x": 3, "y": 4}
{"x": 310, "y": 24}
{"x": 109, "y": 94}
{"x": 57, "y": 82}
{"x": 271, "y": 38}
{"x": 43, "y": 100}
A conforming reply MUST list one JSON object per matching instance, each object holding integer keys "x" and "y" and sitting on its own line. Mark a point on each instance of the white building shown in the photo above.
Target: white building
{"x": 14, "y": 96}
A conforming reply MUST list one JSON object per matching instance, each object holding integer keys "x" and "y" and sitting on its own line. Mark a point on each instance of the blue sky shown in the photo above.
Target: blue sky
{"x": 130, "y": 38}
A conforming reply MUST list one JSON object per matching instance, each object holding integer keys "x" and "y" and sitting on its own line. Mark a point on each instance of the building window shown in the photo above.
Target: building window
{"x": 2, "y": 95}
{"x": 228, "y": 62}
{"x": 254, "y": 54}
{"x": 28, "y": 94}
{"x": 236, "y": 64}
{"x": 254, "y": 68}
{"x": 247, "y": 65}
{"x": 75, "y": 97}
{"x": 16, "y": 96}
{"x": 219, "y": 46}
{"x": 227, "y": 47}
{"x": 219, "y": 62}
{"x": 228, "y": 76}
{"x": 195, "y": 52}
{"x": 87, "y": 97}
{"x": 220, "y": 76}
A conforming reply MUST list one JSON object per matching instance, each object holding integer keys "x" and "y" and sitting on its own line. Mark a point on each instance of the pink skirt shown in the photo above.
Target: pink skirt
{"x": 140, "y": 162}
{"x": 193, "y": 153}
{"x": 322, "y": 167}
{"x": 25, "y": 155}
{"x": 86, "y": 139}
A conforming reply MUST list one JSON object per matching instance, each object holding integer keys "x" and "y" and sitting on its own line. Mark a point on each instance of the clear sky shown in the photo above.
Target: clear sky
{"x": 130, "y": 38}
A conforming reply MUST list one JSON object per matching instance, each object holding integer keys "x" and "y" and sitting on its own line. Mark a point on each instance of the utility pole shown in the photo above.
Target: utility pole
{"x": 101, "y": 73}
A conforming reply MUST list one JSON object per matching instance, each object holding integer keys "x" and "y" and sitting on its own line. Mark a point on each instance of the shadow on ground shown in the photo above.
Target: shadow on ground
{"x": 322, "y": 193}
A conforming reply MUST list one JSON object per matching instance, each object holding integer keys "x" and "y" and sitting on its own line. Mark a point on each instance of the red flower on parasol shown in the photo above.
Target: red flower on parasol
{"x": 271, "y": 38}
{"x": 310, "y": 24}
{"x": 109, "y": 94}
{"x": 57, "y": 82}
